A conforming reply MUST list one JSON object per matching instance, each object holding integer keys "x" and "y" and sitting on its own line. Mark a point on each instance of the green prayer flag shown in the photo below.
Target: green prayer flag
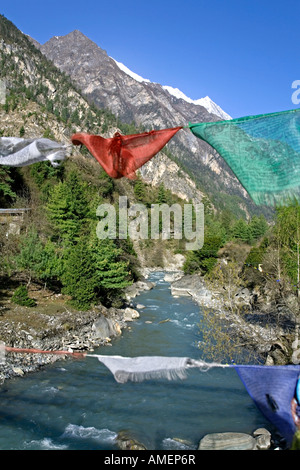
{"x": 263, "y": 151}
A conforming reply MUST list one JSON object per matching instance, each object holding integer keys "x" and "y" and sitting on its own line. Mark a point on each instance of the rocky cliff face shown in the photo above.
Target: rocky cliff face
{"x": 104, "y": 82}
{"x": 163, "y": 170}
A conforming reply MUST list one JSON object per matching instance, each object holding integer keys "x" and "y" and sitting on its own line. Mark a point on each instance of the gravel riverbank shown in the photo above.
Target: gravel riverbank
{"x": 53, "y": 325}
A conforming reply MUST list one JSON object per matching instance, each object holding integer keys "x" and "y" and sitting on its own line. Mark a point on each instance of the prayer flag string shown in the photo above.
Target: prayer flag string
{"x": 275, "y": 390}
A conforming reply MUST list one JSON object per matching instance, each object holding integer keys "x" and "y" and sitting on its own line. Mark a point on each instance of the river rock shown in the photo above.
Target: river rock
{"x": 144, "y": 285}
{"x": 262, "y": 438}
{"x": 172, "y": 277}
{"x": 138, "y": 287}
{"x": 130, "y": 314}
{"x": 227, "y": 441}
{"x": 193, "y": 285}
{"x": 18, "y": 371}
{"x": 104, "y": 328}
{"x": 126, "y": 441}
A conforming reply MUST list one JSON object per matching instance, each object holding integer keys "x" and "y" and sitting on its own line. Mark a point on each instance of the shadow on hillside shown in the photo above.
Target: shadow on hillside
{"x": 7, "y": 287}
{"x": 271, "y": 319}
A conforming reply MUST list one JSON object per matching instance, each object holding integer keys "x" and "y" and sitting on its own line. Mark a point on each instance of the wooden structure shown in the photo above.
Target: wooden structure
{"x": 13, "y": 218}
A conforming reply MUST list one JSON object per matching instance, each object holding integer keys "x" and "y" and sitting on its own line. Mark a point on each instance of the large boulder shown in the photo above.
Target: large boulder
{"x": 261, "y": 440}
{"x": 104, "y": 328}
{"x": 227, "y": 441}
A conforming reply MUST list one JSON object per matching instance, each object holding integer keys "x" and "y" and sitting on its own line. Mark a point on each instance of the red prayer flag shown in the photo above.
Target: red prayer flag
{"x": 122, "y": 155}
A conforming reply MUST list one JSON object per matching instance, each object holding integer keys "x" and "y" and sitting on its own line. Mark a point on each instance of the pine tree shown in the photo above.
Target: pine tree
{"x": 111, "y": 272}
{"x": 205, "y": 259}
{"x": 77, "y": 199}
{"x": 240, "y": 230}
{"x": 161, "y": 197}
{"x": 60, "y": 213}
{"x": 106, "y": 184}
{"x": 93, "y": 270}
{"x": 38, "y": 261}
{"x": 68, "y": 207}
{"x": 78, "y": 277}
{"x": 20, "y": 297}
{"x": 257, "y": 227}
{"x": 139, "y": 190}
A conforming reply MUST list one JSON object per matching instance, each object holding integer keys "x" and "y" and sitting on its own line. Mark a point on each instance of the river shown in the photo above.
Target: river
{"x": 76, "y": 404}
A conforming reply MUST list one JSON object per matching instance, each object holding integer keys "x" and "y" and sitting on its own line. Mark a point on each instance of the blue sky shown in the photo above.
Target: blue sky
{"x": 243, "y": 54}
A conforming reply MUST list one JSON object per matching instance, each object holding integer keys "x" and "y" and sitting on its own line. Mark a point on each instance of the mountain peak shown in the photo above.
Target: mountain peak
{"x": 75, "y": 36}
{"x": 78, "y": 35}
{"x": 76, "y": 39}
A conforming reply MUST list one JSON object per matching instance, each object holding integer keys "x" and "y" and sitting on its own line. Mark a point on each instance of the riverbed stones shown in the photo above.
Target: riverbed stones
{"x": 135, "y": 289}
{"x": 227, "y": 441}
{"x": 260, "y": 440}
{"x": 126, "y": 441}
{"x": 243, "y": 298}
{"x": 130, "y": 314}
{"x": 56, "y": 326}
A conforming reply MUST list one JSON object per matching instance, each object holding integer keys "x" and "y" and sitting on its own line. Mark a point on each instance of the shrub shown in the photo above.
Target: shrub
{"x": 21, "y": 297}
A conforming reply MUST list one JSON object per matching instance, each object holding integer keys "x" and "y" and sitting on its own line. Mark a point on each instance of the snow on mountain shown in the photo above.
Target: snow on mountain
{"x": 212, "y": 107}
{"x": 178, "y": 94}
{"x": 206, "y": 102}
{"x": 129, "y": 72}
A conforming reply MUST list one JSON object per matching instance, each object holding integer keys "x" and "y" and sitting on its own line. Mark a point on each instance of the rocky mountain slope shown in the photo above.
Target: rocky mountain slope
{"x": 111, "y": 85}
{"x": 41, "y": 100}
{"x": 82, "y": 89}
